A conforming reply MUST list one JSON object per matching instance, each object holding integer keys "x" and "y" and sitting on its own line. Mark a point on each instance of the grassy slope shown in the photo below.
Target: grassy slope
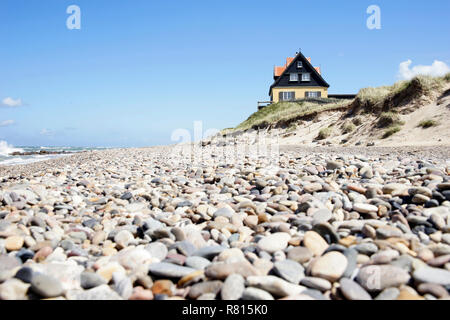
{"x": 372, "y": 100}
{"x": 283, "y": 112}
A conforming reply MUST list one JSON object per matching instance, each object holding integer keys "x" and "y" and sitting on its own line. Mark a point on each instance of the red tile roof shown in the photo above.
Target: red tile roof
{"x": 278, "y": 71}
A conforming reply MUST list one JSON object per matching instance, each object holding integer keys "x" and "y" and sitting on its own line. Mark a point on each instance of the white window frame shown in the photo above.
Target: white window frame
{"x": 295, "y": 76}
{"x": 299, "y": 64}
{"x": 313, "y": 94}
{"x": 287, "y": 95}
{"x": 308, "y": 77}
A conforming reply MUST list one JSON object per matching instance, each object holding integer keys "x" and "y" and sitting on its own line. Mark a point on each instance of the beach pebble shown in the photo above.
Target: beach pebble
{"x": 251, "y": 293}
{"x": 233, "y": 287}
{"x": 274, "y": 242}
{"x": 331, "y": 266}
{"x": 380, "y": 277}
{"x": 289, "y": 270}
{"x": 46, "y": 286}
{"x": 14, "y": 243}
{"x": 315, "y": 243}
{"x": 170, "y": 270}
{"x": 353, "y": 291}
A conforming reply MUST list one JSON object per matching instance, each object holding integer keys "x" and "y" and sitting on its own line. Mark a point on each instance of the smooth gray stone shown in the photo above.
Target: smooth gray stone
{"x": 388, "y": 294}
{"x": 316, "y": 283}
{"x": 209, "y": 252}
{"x": 353, "y": 291}
{"x": 233, "y": 287}
{"x": 170, "y": 270}
{"x": 123, "y": 285}
{"x": 185, "y": 247}
{"x": 201, "y": 288}
{"x": 315, "y": 294}
{"x": 224, "y": 212}
{"x": 89, "y": 280}
{"x": 7, "y": 262}
{"x": 289, "y": 270}
{"x": 352, "y": 256}
{"x": 432, "y": 275}
{"x": 251, "y": 293}
{"x": 366, "y": 248}
{"x": 380, "y": 277}
{"x": 197, "y": 263}
{"x": 322, "y": 215}
{"x": 46, "y": 286}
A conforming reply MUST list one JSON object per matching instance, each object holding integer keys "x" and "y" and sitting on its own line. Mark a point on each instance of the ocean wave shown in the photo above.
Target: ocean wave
{"x": 6, "y": 149}
{"x": 11, "y": 161}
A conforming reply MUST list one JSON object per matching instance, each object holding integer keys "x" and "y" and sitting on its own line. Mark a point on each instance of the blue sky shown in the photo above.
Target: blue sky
{"x": 139, "y": 69}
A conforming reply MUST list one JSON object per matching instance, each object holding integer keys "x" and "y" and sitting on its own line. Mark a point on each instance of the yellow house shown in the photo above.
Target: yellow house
{"x": 297, "y": 79}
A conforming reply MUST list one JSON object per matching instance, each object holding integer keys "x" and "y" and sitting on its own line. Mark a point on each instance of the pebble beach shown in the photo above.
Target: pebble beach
{"x": 324, "y": 224}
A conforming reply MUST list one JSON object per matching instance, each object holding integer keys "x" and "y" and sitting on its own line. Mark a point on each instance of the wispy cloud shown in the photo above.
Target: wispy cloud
{"x": 6, "y": 123}
{"x": 11, "y": 103}
{"x": 437, "y": 69}
{"x": 47, "y": 132}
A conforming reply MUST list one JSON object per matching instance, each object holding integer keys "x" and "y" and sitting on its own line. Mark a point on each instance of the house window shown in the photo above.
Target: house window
{"x": 287, "y": 96}
{"x": 313, "y": 94}
{"x": 306, "y": 77}
{"x": 293, "y": 77}
{"x": 299, "y": 64}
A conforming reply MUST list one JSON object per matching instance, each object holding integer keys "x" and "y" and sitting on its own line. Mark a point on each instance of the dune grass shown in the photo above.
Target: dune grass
{"x": 348, "y": 127}
{"x": 425, "y": 124}
{"x": 388, "y": 119}
{"x": 286, "y": 111}
{"x": 447, "y": 77}
{"x": 373, "y": 99}
{"x": 325, "y": 133}
{"x": 391, "y": 131}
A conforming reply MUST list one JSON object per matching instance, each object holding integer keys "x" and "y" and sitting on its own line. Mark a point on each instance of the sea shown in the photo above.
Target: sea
{"x": 7, "y": 159}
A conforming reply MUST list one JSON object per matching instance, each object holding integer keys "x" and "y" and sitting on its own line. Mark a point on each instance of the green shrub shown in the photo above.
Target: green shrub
{"x": 348, "y": 127}
{"x": 447, "y": 77}
{"x": 389, "y": 132}
{"x": 324, "y": 133}
{"x": 357, "y": 121}
{"x": 388, "y": 119}
{"x": 428, "y": 123}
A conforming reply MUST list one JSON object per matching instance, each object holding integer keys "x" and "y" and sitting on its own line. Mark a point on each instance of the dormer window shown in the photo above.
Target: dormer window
{"x": 306, "y": 77}
{"x": 299, "y": 64}
{"x": 293, "y": 77}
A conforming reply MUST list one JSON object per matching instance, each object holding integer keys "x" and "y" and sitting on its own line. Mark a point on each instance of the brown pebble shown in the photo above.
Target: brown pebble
{"x": 435, "y": 289}
{"x": 163, "y": 287}
{"x": 42, "y": 254}
{"x": 14, "y": 243}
